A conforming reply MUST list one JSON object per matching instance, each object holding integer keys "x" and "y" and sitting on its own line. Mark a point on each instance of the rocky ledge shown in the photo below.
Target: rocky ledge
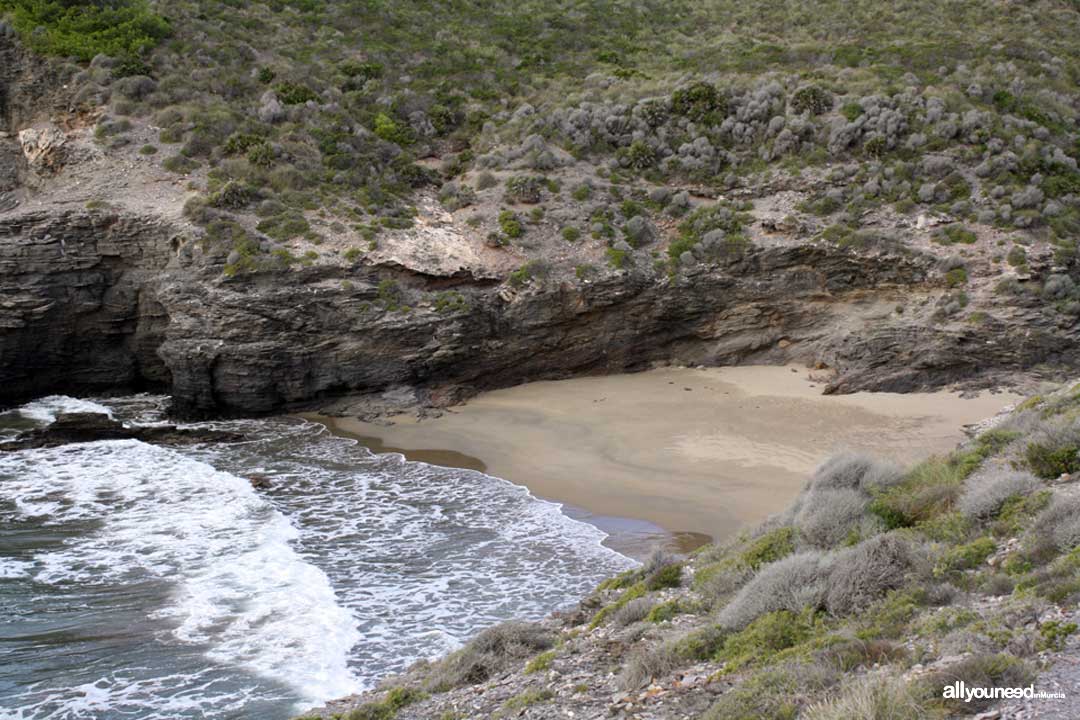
{"x": 103, "y": 300}
{"x": 89, "y": 427}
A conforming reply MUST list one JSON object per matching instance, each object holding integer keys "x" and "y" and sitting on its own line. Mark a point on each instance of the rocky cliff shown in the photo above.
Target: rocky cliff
{"x": 97, "y": 301}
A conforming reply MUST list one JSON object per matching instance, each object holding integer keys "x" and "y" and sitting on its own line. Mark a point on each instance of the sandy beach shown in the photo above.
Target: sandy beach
{"x": 691, "y": 450}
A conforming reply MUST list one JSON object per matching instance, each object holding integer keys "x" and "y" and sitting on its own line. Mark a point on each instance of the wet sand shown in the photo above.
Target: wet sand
{"x": 690, "y": 450}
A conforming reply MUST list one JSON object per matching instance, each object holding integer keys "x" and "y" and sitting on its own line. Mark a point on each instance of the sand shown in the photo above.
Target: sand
{"x": 691, "y": 450}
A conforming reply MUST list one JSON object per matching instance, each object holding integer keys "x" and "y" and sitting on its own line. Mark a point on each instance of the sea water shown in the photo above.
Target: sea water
{"x": 139, "y": 581}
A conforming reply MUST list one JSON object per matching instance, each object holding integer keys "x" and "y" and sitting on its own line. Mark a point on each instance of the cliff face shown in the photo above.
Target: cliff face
{"x": 78, "y": 306}
{"x": 95, "y": 301}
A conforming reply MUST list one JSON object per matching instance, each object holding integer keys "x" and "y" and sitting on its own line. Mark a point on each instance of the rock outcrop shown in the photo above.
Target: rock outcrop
{"x": 100, "y": 301}
{"x": 89, "y": 427}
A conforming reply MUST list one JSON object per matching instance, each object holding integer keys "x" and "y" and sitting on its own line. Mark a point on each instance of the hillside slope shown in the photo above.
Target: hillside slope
{"x": 395, "y": 205}
{"x": 875, "y": 590}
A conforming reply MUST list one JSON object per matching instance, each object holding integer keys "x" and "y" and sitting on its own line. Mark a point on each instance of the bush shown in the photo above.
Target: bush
{"x": 1059, "y": 524}
{"x": 794, "y": 583}
{"x": 647, "y": 663}
{"x": 955, "y": 234}
{"x": 873, "y": 698}
{"x": 867, "y": 573}
{"x": 980, "y": 670}
{"x": 770, "y": 547}
{"x": 700, "y": 102}
{"x": 510, "y": 224}
{"x": 767, "y": 635}
{"x": 524, "y": 189}
{"x": 492, "y": 651}
{"x": 665, "y": 576}
{"x": 632, "y": 612}
{"x": 284, "y": 227}
{"x": 294, "y": 94}
{"x": 121, "y": 28}
{"x": 855, "y": 471}
{"x": 385, "y": 128}
{"x": 616, "y": 257}
{"x": 639, "y": 156}
{"x": 179, "y": 164}
{"x": 984, "y": 495}
{"x": 1049, "y": 460}
{"x": 232, "y": 195}
{"x": 827, "y": 517}
{"x": 928, "y": 491}
{"x": 811, "y": 99}
{"x": 395, "y": 699}
{"x": 967, "y": 556}
{"x": 772, "y": 693}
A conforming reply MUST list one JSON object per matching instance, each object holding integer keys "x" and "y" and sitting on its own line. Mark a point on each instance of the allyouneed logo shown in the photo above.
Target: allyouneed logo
{"x": 960, "y": 690}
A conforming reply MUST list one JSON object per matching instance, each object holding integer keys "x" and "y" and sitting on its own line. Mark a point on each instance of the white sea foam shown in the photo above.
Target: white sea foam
{"x": 45, "y": 410}
{"x": 350, "y": 567}
{"x": 240, "y": 588}
{"x": 12, "y": 568}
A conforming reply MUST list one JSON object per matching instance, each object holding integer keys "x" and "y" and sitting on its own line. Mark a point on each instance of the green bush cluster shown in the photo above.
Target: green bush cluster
{"x": 120, "y": 28}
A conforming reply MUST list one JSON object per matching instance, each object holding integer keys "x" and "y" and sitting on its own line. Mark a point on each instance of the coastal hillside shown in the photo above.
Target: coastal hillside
{"x": 877, "y": 589}
{"x": 387, "y": 206}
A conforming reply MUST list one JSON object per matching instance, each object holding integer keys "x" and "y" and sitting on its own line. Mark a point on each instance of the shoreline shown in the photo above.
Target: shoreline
{"x": 699, "y": 453}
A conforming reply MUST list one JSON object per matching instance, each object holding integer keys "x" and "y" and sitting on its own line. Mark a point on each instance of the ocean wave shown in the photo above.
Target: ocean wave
{"x": 239, "y": 589}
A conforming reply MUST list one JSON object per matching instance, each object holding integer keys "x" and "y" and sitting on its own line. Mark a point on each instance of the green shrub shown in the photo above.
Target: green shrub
{"x": 120, "y": 28}
{"x": 1051, "y": 461}
{"x": 700, "y": 102}
{"x": 666, "y": 576}
{"x": 540, "y": 663}
{"x": 582, "y": 192}
{"x": 768, "y": 635}
{"x": 526, "y": 699}
{"x": 1054, "y": 633}
{"x": 930, "y": 489}
{"x": 294, "y": 94}
{"x": 873, "y": 698}
{"x": 852, "y": 111}
{"x": 284, "y": 227}
{"x": 662, "y": 612}
{"x": 179, "y": 164}
{"x": 956, "y": 277}
{"x": 955, "y": 234}
{"x": 510, "y": 224}
{"x": 395, "y": 699}
{"x": 616, "y": 258}
{"x": 639, "y": 156}
{"x": 524, "y": 189}
{"x": 571, "y": 234}
{"x": 385, "y": 128}
{"x": 811, "y": 99}
{"x": 966, "y": 557}
{"x": 770, "y": 547}
{"x": 980, "y": 670}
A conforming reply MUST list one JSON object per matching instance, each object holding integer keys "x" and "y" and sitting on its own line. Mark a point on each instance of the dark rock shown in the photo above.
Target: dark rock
{"x": 89, "y": 427}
